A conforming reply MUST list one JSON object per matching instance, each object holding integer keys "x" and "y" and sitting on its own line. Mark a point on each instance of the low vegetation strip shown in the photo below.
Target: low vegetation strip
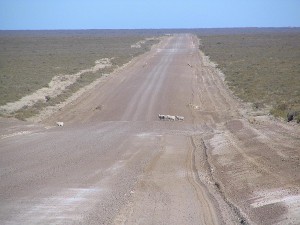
{"x": 56, "y": 86}
{"x": 260, "y": 67}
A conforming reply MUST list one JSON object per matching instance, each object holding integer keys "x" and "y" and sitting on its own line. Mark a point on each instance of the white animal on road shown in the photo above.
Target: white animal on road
{"x": 171, "y": 117}
{"x": 181, "y": 118}
{"x": 60, "y": 124}
{"x": 161, "y": 117}
{"x": 168, "y": 117}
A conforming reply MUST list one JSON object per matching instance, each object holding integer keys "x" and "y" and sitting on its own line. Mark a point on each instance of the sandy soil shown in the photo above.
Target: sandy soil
{"x": 115, "y": 162}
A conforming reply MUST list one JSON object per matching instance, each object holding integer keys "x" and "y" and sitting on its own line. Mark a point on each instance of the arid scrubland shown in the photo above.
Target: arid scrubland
{"x": 29, "y": 60}
{"x": 262, "y": 66}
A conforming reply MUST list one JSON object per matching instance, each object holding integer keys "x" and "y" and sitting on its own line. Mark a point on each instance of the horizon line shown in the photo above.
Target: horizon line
{"x": 66, "y": 29}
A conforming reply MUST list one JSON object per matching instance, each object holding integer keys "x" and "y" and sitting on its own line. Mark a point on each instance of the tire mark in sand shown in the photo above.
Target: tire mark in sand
{"x": 207, "y": 208}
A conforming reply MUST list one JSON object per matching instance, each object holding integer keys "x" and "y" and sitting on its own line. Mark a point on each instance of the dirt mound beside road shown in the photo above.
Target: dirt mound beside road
{"x": 56, "y": 86}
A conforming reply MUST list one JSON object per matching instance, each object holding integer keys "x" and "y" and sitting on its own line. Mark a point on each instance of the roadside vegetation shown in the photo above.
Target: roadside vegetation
{"x": 262, "y": 66}
{"x": 30, "y": 59}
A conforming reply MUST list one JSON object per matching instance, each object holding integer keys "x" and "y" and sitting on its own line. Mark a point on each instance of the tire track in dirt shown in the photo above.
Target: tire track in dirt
{"x": 172, "y": 172}
{"x": 208, "y": 210}
{"x": 261, "y": 167}
{"x": 226, "y": 207}
{"x": 144, "y": 92}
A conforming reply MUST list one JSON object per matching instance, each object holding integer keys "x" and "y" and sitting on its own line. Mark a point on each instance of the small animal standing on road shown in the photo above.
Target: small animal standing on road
{"x": 180, "y": 118}
{"x": 169, "y": 117}
{"x": 60, "y": 124}
{"x": 161, "y": 117}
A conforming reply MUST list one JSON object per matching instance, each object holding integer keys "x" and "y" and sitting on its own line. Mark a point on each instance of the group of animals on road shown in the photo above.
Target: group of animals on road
{"x": 169, "y": 117}
{"x": 160, "y": 116}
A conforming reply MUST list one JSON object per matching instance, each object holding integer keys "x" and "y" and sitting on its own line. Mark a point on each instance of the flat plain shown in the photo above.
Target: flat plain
{"x": 116, "y": 162}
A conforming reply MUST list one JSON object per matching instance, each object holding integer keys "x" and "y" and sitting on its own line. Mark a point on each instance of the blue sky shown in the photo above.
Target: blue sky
{"x": 133, "y": 14}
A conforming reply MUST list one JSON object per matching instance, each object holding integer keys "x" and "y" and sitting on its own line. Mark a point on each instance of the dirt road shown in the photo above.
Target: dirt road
{"x": 115, "y": 162}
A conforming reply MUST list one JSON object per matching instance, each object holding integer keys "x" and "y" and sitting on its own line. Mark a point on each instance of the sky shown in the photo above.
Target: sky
{"x": 136, "y": 14}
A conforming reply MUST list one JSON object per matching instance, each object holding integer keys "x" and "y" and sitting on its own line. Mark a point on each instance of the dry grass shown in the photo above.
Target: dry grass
{"x": 261, "y": 66}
